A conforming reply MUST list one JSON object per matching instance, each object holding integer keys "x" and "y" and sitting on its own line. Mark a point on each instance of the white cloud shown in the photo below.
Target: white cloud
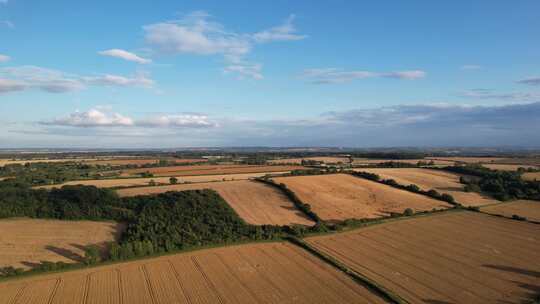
{"x": 92, "y": 118}
{"x": 513, "y": 96}
{"x": 104, "y": 117}
{"x": 122, "y": 54}
{"x": 469, "y": 67}
{"x": 115, "y": 80}
{"x": 8, "y": 85}
{"x": 284, "y": 32}
{"x": 333, "y": 75}
{"x": 197, "y": 34}
{"x": 245, "y": 70}
{"x": 534, "y": 81}
{"x": 53, "y": 81}
{"x": 4, "y": 58}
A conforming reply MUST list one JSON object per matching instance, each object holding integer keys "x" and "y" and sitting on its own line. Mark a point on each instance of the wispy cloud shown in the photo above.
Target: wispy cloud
{"x": 533, "y": 81}
{"x": 198, "y": 34}
{"x": 7, "y": 24}
{"x": 4, "y": 58}
{"x": 122, "y": 54}
{"x": 334, "y": 75}
{"x": 8, "y": 85}
{"x": 54, "y": 81}
{"x": 470, "y": 67}
{"x": 91, "y": 118}
{"x": 512, "y": 96}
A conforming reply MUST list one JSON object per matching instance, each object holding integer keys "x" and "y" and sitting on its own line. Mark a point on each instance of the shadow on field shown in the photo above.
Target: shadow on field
{"x": 429, "y": 301}
{"x": 69, "y": 254}
{"x": 532, "y": 273}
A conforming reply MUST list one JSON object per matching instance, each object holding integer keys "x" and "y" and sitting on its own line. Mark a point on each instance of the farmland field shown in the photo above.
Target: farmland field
{"x": 469, "y": 160}
{"x": 4, "y": 162}
{"x": 336, "y": 197}
{"x": 142, "y": 161}
{"x": 26, "y": 241}
{"x": 132, "y": 182}
{"x": 458, "y": 257}
{"x": 208, "y": 170}
{"x": 426, "y": 179}
{"x": 325, "y": 159}
{"x": 258, "y": 273}
{"x": 507, "y": 167}
{"x": 531, "y": 176}
{"x": 255, "y": 202}
{"x": 370, "y": 161}
{"x": 524, "y": 208}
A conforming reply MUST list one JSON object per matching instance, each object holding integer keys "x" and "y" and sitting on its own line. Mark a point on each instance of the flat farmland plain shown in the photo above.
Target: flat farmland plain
{"x": 336, "y": 197}
{"x": 26, "y": 241}
{"x": 256, "y": 273}
{"x": 208, "y": 170}
{"x": 525, "y": 208}
{"x": 371, "y": 161}
{"x": 467, "y": 159}
{"x": 458, "y": 257}
{"x": 507, "y": 167}
{"x": 143, "y": 161}
{"x": 255, "y": 202}
{"x": 135, "y": 182}
{"x": 426, "y": 179}
{"x": 325, "y": 159}
{"x": 531, "y": 176}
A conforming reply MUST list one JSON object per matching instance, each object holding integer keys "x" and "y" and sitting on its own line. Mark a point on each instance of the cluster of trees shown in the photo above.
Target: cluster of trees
{"x": 502, "y": 185}
{"x": 411, "y": 188}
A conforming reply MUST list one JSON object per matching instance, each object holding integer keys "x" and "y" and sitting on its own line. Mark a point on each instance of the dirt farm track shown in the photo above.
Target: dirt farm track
{"x": 457, "y": 257}
{"x": 259, "y": 273}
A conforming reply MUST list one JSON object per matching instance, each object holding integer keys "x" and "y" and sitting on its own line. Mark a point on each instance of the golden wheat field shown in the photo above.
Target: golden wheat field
{"x": 524, "y": 208}
{"x": 324, "y": 159}
{"x": 336, "y": 197}
{"x": 143, "y": 161}
{"x": 208, "y": 170}
{"x": 507, "y": 167}
{"x": 4, "y": 162}
{"x": 426, "y": 179}
{"x": 27, "y": 241}
{"x": 468, "y": 159}
{"x": 255, "y": 202}
{"x": 370, "y": 161}
{"x": 255, "y": 273}
{"x": 134, "y": 182}
{"x": 457, "y": 257}
{"x": 531, "y": 176}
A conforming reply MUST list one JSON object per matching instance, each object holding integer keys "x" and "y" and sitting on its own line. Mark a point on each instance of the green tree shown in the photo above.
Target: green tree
{"x": 173, "y": 180}
{"x": 91, "y": 255}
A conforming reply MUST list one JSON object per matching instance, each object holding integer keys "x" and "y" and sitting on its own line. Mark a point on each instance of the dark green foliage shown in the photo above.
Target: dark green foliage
{"x": 518, "y": 217}
{"x": 408, "y": 212}
{"x": 91, "y": 255}
{"x": 173, "y": 180}
{"x": 502, "y": 185}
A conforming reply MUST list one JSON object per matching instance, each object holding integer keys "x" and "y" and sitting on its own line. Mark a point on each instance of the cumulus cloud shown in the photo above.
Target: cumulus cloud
{"x": 489, "y": 94}
{"x": 104, "y": 117}
{"x": 197, "y": 34}
{"x": 470, "y": 67}
{"x": 333, "y": 75}
{"x": 53, "y": 81}
{"x": 122, "y": 54}
{"x": 284, "y": 32}
{"x": 534, "y": 81}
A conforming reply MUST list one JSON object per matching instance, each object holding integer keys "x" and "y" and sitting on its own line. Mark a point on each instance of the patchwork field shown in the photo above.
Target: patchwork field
{"x": 371, "y": 161}
{"x": 255, "y": 202}
{"x": 507, "y": 167}
{"x": 336, "y": 197}
{"x": 426, "y": 179}
{"x": 325, "y": 159}
{"x": 208, "y": 170}
{"x": 470, "y": 160}
{"x": 4, "y": 162}
{"x": 460, "y": 257}
{"x": 27, "y": 241}
{"x": 260, "y": 273}
{"x": 142, "y": 161}
{"x": 531, "y": 176}
{"x": 133, "y": 182}
{"x": 524, "y": 208}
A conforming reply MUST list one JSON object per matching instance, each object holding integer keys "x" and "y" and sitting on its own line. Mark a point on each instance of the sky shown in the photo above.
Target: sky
{"x": 173, "y": 74}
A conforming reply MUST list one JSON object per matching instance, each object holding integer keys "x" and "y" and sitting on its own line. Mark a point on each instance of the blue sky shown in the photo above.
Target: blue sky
{"x": 143, "y": 74}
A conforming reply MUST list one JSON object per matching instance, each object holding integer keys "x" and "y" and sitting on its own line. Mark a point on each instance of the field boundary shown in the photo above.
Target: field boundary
{"x": 356, "y": 276}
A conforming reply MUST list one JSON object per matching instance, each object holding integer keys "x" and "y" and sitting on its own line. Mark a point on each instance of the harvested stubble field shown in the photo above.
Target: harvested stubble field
{"x": 531, "y": 176}
{"x": 457, "y": 257}
{"x": 524, "y": 208}
{"x": 469, "y": 160}
{"x": 255, "y": 202}
{"x": 506, "y": 167}
{"x": 256, "y": 273}
{"x": 426, "y": 179}
{"x": 208, "y": 170}
{"x": 143, "y": 161}
{"x": 324, "y": 159}
{"x": 4, "y": 162}
{"x": 27, "y": 241}
{"x": 137, "y": 182}
{"x": 370, "y": 161}
{"x": 336, "y": 197}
